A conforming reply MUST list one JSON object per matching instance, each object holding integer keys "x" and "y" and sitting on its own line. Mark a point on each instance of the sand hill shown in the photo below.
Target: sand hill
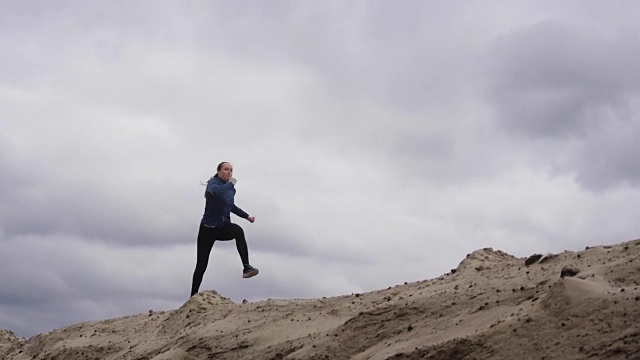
{"x": 492, "y": 306}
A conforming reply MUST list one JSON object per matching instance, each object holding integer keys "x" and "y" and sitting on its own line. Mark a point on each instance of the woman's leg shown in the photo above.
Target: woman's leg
{"x": 206, "y": 238}
{"x": 234, "y": 231}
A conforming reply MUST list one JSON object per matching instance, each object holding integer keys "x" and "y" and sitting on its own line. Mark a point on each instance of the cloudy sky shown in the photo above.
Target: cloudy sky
{"x": 375, "y": 143}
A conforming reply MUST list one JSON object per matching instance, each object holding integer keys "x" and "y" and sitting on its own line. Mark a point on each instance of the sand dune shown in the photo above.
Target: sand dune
{"x": 491, "y": 306}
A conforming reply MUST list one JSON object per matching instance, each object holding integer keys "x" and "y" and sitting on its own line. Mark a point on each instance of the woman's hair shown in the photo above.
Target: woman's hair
{"x": 219, "y": 168}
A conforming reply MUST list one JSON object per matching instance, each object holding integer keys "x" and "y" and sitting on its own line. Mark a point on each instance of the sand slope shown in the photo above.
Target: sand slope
{"x": 492, "y": 306}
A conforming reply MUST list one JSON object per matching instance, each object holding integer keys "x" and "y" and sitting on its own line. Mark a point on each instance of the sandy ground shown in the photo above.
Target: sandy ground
{"x": 492, "y": 306}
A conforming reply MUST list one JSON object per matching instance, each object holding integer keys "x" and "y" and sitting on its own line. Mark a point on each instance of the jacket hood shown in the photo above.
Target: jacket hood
{"x": 215, "y": 178}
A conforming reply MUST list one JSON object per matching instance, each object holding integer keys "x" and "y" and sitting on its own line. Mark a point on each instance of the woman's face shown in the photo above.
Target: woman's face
{"x": 226, "y": 172}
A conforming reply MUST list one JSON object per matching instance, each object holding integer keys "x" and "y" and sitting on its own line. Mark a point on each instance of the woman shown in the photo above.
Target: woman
{"x": 216, "y": 223}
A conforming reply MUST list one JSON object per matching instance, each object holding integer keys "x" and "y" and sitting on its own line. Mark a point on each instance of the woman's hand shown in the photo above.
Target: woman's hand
{"x": 251, "y": 219}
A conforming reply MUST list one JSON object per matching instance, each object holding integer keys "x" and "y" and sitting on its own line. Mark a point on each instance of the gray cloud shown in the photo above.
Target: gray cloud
{"x": 553, "y": 80}
{"x": 558, "y": 82}
{"x": 608, "y": 158}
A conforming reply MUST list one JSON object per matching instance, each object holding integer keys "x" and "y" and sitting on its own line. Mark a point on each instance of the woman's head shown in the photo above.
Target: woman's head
{"x": 224, "y": 171}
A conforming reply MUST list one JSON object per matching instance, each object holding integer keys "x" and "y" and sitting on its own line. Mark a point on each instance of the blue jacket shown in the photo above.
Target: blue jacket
{"x": 219, "y": 205}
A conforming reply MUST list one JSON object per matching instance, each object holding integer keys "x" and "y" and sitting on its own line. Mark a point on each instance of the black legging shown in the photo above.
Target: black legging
{"x": 206, "y": 237}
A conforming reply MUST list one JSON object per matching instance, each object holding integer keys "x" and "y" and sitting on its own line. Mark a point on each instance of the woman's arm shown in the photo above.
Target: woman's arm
{"x": 236, "y": 210}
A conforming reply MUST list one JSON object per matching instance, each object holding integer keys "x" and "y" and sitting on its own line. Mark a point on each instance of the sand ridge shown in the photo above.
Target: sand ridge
{"x": 491, "y": 306}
